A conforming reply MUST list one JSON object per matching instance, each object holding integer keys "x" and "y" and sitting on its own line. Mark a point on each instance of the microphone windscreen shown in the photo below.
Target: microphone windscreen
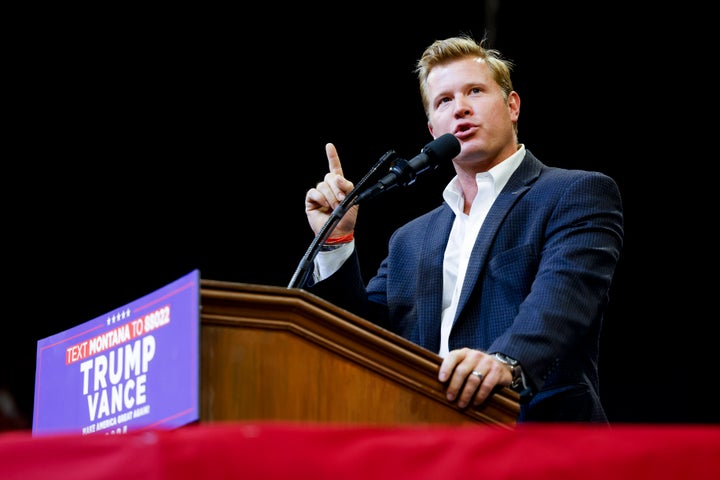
{"x": 445, "y": 147}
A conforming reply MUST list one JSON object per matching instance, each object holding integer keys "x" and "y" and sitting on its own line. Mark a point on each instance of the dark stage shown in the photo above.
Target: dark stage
{"x": 150, "y": 143}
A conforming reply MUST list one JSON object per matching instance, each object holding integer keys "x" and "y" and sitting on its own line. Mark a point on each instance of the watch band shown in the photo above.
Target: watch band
{"x": 515, "y": 369}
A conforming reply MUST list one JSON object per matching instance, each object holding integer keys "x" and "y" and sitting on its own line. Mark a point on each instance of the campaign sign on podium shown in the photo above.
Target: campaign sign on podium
{"x": 135, "y": 367}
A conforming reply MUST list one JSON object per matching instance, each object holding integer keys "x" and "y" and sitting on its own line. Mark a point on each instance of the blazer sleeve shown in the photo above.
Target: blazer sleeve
{"x": 346, "y": 289}
{"x": 559, "y": 320}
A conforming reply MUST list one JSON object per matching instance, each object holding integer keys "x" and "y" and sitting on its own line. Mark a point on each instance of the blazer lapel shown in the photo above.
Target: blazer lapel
{"x": 429, "y": 284}
{"x": 517, "y": 185}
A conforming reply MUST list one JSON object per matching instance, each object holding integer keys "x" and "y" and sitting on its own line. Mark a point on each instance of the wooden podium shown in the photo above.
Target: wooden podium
{"x": 275, "y": 353}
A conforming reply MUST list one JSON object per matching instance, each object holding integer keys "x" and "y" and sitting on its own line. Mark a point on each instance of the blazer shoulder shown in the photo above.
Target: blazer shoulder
{"x": 435, "y": 218}
{"x": 533, "y": 168}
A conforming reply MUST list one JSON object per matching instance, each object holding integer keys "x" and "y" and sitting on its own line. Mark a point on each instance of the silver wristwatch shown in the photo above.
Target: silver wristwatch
{"x": 515, "y": 369}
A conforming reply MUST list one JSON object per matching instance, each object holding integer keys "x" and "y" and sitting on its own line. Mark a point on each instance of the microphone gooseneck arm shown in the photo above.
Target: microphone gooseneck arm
{"x": 304, "y": 267}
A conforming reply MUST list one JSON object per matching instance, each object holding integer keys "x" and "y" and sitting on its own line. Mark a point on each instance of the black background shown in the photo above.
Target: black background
{"x": 148, "y": 143}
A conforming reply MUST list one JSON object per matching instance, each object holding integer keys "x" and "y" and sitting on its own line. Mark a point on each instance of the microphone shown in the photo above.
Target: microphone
{"x": 404, "y": 173}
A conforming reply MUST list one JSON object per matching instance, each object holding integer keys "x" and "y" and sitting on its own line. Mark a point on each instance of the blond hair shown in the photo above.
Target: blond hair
{"x": 456, "y": 48}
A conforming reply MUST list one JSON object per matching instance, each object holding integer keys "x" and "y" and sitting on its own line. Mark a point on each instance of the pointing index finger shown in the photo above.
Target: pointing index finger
{"x": 333, "y": 159}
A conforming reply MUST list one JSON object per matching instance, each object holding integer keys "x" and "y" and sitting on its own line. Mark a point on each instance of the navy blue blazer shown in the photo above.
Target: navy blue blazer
{"x": 535, "y": 289}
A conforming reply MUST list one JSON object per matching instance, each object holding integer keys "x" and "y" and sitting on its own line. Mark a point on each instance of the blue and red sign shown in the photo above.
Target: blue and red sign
{"x": 136, "y": 367}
